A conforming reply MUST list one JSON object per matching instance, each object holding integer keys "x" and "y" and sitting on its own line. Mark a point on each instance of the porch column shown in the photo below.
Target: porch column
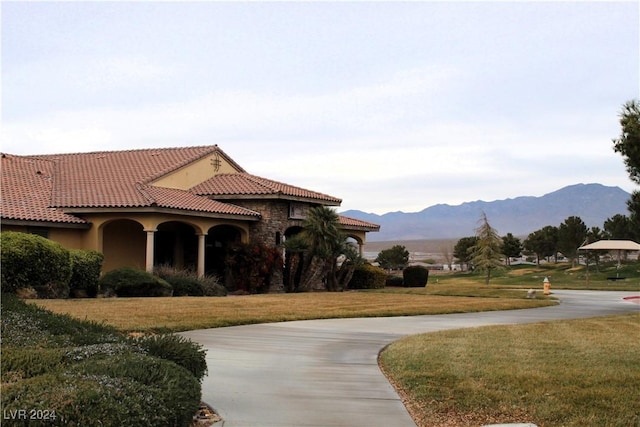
{"x": 150, "y": 246}
{"x": 201, "y": 251}
{"x": 360, "y": 248}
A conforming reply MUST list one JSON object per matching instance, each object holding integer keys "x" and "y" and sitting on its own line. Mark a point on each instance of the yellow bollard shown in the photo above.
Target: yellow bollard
{"x": 547, "y": 286}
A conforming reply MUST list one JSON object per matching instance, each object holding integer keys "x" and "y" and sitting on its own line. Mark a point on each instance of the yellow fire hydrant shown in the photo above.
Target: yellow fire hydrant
{"x": 547, "y": 286}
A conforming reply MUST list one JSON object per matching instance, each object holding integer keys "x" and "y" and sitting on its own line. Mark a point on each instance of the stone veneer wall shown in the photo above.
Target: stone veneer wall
{"x": 275, "y": 219}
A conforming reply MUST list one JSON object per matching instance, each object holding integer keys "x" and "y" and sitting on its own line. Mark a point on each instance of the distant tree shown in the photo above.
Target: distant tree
{"x": 447, "y": 253}
{"x": 618, "y": 227}
{"x": 511, "y": 247}
{"x": 487, "y": 252}
{"x": 463, "y": 250}
{"x": 593, "y": 235}
{"x": 628, "y": 145}
{"x": 395, "y": 258}
{"x": 543, "y": 242}
{"x": 571, "y": 235}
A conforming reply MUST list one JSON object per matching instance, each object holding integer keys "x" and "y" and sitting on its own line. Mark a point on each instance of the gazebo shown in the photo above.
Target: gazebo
{"x": 612, "y": 245}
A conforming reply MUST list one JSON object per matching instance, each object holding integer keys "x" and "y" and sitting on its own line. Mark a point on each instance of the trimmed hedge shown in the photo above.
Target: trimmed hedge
{"x": 83, "y": 374}
{"x": 415, "y": 276}
{"x": 131, "y": 282}
{"x": 31, "y": 261}
{"x": 85, "y": 273}
{"x": 368, "y": 276}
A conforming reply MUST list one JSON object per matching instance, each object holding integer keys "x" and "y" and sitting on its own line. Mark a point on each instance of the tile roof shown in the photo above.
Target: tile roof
{"x": 178, "y": 199}
{"x": 110, "y": 179}
{"x": 244, "y": 185}
{"x": 356, "y": 224}
{"x": 25, "y": 191}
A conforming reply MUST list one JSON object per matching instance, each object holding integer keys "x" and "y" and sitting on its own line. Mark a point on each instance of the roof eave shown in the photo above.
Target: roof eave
{"x": 158, "y": 209}
{"x": 272, "y": 197}
{"x": 49, "y": 224}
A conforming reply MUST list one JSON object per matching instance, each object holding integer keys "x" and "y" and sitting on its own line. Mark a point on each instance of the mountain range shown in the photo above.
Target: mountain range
{"x": 593, "y": 203}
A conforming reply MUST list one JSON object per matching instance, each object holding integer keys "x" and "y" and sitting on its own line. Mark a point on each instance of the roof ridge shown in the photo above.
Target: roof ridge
{"x": 131, "y": 150}
{"x": 258, "y": 180}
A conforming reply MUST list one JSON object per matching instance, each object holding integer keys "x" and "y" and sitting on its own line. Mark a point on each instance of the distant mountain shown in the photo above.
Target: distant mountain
{"x": 594, "y": 203}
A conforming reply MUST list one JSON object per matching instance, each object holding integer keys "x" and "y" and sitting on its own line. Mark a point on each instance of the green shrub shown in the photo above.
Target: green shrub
{"x": 187, "y": 283}
{"x": 88, "y": 400}
{"x": 131, "y": 282}
{"x": 85, "y": 374}
{"x": 85, "y": 272}
{"x": 177, "y": 349}
{"x": 30, "y": 362}
{"x": 29, "y": 260}
{"x": 415, "y": 276}
{"x": 368, "y": 276}
{"x": 24, "y": 325}
{"x": 176, "y": 388}
{"x": 393, "y": 280}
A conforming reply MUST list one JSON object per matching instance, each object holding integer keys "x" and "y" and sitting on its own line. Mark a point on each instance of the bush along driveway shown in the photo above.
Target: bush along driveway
{"x": 325, "y": 372}
{"x": 61, "y": 371}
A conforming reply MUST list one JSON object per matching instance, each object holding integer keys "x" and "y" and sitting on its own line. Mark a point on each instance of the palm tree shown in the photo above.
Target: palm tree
{"x": 313, "y": 254}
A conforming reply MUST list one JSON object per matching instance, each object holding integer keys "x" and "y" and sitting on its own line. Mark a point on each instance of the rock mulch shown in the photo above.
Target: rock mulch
{"x": 206, "y": 416}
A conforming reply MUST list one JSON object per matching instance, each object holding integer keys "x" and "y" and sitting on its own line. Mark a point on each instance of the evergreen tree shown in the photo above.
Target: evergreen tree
{"x": 511, "y": 247}
{"x": 395, "y": 258}
{"x": 487, "y": 252}
{"x": 628, "y": 145}
{"x": 572, "y": 234}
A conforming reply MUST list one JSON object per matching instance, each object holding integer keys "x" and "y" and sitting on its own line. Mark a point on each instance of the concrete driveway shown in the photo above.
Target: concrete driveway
{"x": 324, "y": 373}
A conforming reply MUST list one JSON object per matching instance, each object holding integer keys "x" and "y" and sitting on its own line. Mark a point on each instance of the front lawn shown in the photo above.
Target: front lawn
{"x": 188, "y": 313}
{"x": 566, "y": 373}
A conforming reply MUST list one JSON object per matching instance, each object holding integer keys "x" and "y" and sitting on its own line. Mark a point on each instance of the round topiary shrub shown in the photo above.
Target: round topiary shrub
{"x": 31, "y": 261}
{"x": 85, "y": 272}
{"x": 131, "y": 282}
{"x": 415, "y": 276}
{"x": 368, "y": 276}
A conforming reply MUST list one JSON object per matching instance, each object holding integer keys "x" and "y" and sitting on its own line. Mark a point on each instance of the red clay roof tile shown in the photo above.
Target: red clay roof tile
{"x": 244, "y": 184}
{"x": 26, "y": 185}
{"x": 353, "y": 223}
{"x": 34, "y": 186}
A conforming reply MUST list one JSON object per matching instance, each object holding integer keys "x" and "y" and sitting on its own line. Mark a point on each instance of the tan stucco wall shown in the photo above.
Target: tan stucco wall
{"x": 70, "y": 238}
{"x": 195, "y": 173}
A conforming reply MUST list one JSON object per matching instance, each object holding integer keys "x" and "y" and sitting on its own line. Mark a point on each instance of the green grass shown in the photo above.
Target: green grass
{"x": 561, "y": 276}
{"x": 568, "y": 373}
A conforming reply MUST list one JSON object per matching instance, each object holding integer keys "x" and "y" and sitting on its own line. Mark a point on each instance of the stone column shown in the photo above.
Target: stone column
{"x": 201, "y": 253}
{"x": 150, "y": 247}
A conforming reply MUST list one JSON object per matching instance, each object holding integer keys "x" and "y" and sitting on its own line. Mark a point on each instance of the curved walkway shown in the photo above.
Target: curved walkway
{"x": 325, "y": 373}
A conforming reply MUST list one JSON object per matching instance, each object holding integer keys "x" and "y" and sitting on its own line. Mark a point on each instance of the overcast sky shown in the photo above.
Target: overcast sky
{"x": 391, "y": 106}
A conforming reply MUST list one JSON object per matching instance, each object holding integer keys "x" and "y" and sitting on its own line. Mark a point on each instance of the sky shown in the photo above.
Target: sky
{"x": 390, "y": 106}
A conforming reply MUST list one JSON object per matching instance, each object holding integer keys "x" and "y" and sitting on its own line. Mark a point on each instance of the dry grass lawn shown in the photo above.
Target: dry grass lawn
{"x": 188, "y": 313}
{"x": 567, "y": 373}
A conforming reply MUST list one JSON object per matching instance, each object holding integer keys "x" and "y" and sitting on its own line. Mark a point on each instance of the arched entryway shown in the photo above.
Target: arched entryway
{"x": 217, "y": 241}
{"x": 176, "y": 245}
{"x": 123, "y": 244}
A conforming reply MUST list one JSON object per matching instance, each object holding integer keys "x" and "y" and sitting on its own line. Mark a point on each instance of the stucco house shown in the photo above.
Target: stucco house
{"x": 143, "y": 208}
